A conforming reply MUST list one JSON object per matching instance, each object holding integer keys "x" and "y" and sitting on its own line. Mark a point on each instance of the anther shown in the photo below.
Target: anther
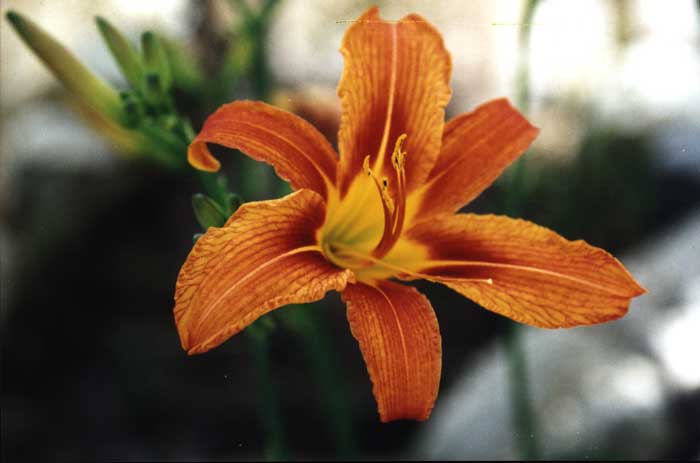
{"x": 398, "y": 157}
{"x": 365, "y": 166}
{"x": 386, "y": 198}
{"x": 382, "y": 188}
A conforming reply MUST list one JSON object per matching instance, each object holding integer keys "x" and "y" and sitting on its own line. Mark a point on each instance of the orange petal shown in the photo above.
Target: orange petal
{"x": 400, "y": 341}
{"x": 538, "y": 277}
{"x": 297, "y": 151}
{"x": 395, "y": 81}
{"x": 476, "y": 148}
{"x": 265, "y": 257}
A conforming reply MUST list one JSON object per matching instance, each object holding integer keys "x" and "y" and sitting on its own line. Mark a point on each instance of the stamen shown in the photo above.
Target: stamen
{"x": 346, "y": 251}
{"x": 383, "y": 188}
{"x": 399, "y": 158}
{"x": 385, "y": 196}
{"x": 393, "y": 225}
{"x": 365, "y": 166}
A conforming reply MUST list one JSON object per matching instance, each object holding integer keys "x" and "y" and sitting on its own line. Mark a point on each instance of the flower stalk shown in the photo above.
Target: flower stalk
{"x": 269, "y": 406}
{"x": 214, "y": 213}
{"x": 305, "y": 322}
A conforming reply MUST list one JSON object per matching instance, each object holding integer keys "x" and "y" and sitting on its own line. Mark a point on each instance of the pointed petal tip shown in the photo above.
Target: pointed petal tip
{"x": 196, "y": 350}
{"x": 399, "y": 338}
{"x": 185, "y": 343}
{"x": 199, "y": 157}
{"x": 201, "y": 346}
{"x": 538, "y": 277}
{"x": 298, "y": 152}
{"x": 635, "y": 289}
{"x": 631, "y": 285}
{"x": 476, "y": 148}
{"x": 371, "y": 12}
{"x": 385, "y": 418}
{"x": 504, "y": 104}
{"x": 185, "y": 339}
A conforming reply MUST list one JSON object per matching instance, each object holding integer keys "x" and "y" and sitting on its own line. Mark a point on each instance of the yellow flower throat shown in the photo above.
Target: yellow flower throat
{"x": 351, "y": 237}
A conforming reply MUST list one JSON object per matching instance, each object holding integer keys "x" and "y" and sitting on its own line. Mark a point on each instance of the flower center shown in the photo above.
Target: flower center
{"x": 351, "y": 238}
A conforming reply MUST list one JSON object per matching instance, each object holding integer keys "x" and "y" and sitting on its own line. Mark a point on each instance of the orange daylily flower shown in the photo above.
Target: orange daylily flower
{"x": 385, "y": 210}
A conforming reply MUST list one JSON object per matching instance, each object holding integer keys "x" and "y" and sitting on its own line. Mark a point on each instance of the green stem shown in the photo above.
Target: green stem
{"x": 269, "y": 404}
{"x": 257, "y": 27}
{"x": 258, "y": 333}
{"x": 523, "y": 72}
{"x": 514, "y": 201}
{"x": 306, "y": 323}
{"x": 521, "y": 405}
{"x": 523, "y": 414}
{"x": 302, "y": 320}
{"x": 516, "y": 189}
{"x": 165, "y": 147}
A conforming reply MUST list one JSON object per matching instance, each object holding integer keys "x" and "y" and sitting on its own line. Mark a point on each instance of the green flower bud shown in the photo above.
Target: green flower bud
{"x": 184, "y": 68}
{"x": 153, "y": 89}
{"x": 133, "y": 108}
{"x": 82, "y": 83}
{"x": 234, "y": 202}
{"x": 155, "y": 59}
{"x": 124, "y": 53}
{"x": 207, "y": 211}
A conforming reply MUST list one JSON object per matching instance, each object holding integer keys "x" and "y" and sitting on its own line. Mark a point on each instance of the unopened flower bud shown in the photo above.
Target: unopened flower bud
{"x": 124, "y": 53}
{"x": 80, "y": 81}
{"x": 207, "y": 211}
{"x": 155, "y": 59}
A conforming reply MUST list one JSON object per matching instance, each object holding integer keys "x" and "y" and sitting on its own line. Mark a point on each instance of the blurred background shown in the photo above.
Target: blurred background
{"x": 93, "y": 236}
